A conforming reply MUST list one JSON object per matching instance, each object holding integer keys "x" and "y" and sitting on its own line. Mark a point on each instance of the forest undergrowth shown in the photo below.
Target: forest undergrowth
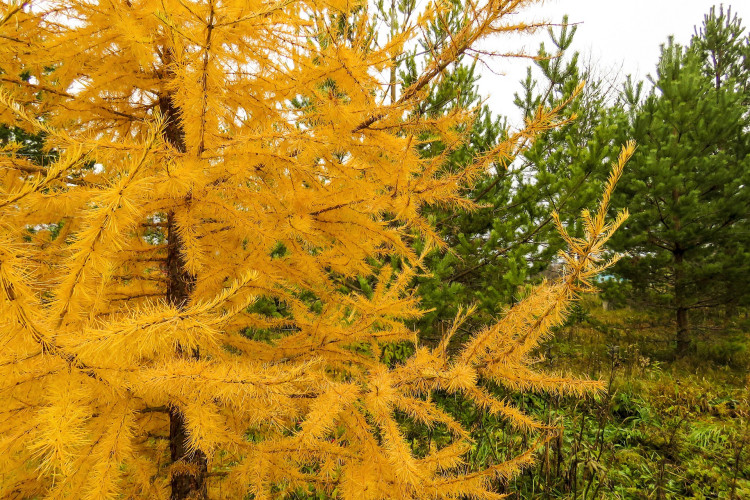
{"x": 666, "y": 428}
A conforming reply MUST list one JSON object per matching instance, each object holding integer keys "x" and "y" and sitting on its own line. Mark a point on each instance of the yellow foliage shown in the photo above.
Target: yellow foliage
{"x": 215, "y": 155}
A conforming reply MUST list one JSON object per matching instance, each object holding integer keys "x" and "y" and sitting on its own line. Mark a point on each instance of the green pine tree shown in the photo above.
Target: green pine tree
{"x": 687, "y": 185}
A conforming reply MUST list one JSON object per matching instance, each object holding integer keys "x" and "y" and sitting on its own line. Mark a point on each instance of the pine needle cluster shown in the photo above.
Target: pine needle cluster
{"x": 176, "y": 310}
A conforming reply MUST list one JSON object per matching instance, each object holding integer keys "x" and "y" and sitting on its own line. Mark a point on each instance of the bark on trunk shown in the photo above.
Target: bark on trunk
{"x": 683, "y": 328}
{"x": 190, "y": 468}
{"x": 683, "y": 335}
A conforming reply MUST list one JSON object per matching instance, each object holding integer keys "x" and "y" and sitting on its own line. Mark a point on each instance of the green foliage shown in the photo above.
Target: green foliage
{"x": 510, "y": 238}
{"x": 563, "y": 169}
{"x": 32, "y": 144}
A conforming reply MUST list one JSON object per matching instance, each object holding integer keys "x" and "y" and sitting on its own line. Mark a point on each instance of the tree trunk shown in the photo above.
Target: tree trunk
{"x": 190, "y": 468}
{"x": 683, "y": 330}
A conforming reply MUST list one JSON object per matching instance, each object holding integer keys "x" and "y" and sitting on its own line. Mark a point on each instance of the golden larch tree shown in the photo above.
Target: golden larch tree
{"x": 207, "y": 157}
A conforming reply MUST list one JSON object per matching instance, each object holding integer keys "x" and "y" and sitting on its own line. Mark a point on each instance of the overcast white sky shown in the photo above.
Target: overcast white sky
{"x": 619, "y": 35}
